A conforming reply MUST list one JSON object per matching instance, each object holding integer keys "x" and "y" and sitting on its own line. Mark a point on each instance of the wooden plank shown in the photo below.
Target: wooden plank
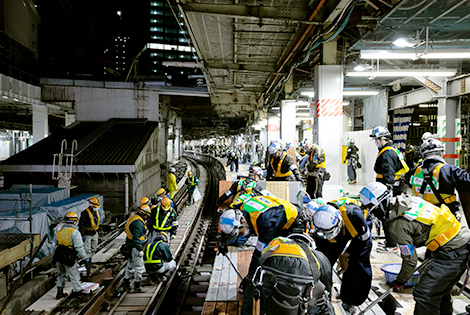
{"x": 10, "y": 255}
{"x": 220, "y": 307}
{"x": 214, "y": 282}
{"x": 232, "y": 279}
{"x": 232, "y": 308}
{"x": 224, "y": 279}
{"x": 209, "y": 308}
{"x": 130, "y": 308}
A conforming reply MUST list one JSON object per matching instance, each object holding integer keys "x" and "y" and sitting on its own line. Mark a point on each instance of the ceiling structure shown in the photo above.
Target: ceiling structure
{"x": 255, "y": 53}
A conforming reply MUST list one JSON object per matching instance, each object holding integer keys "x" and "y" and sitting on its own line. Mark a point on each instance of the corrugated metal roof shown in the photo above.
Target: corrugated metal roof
{"x": 116, "y": 142}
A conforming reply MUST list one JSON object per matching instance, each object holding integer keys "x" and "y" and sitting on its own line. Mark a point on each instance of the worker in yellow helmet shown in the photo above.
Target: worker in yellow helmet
{"x": 172, "y": 185}
{"x": 136, "y": 232}
{"x": 89, "y": 224}
{"x": 69, "y": 246}
{"x": 192, "y": 182}
{"x": 163, "y": 218}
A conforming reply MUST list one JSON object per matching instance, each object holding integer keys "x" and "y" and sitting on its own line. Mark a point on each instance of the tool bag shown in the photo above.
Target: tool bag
{"x": 65, "y": 255}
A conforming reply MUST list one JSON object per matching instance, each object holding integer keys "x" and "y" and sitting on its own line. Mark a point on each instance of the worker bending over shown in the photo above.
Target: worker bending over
{"x": 244, "y": 186}
{"x": 281, "y": 166}
{"x": 158, "y": 258}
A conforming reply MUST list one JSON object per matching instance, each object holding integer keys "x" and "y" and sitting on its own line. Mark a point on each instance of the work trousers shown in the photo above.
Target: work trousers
{"x": 90, "y": 244}
{"x": 432, "y": 293}
{"x": 190, "y": 196}
{"x": 351, "y": 171}
{"x": 315, "y": 186}
{"x": 70, "y": 272}
{"x": 172, "y": 194}
{"x": 135, "y": 266}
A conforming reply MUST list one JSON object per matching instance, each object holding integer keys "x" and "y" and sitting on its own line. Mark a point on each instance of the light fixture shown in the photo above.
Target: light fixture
{"x": 404, "y": 73}
{"x": 405, "y": 42}
{"x": 345, "y": 103}
{"x": 360, "y": 92}
{"x": 416, "y": 54}
{"x": 309, "y": 94}
{"x": 359, "y": 68}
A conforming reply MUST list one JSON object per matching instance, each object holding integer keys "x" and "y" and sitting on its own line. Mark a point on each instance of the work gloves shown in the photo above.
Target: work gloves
{"x": 343, "y": 263}
{"x": 397, "y": 286}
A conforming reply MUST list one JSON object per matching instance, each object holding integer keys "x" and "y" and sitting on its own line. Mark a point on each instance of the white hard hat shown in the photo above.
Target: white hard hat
{"x": 172, "y": 170}
{"x": 274, "y": 147}
{"x": 431, "y": 147}
{"x": 256, "y": 170}
{"x": 327, "y": 221}
{"x": 230, "y": 222}
{"x": 374, "y": 193}
{"x": 379, "y": 132}
{"x": 352, "y": 140}
{"x": 427, "y": 135}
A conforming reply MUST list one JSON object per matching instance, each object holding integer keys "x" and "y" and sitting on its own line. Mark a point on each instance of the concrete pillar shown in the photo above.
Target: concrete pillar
{"x": 178, "y": 127}
{"x": 169, "y": 151}
{"x": 69, "y": 119}
{"x": 40, "y": 123}
{"x": 288, "y": 109}
{"x": 263, "y": 137}
{"x": 329, "y": 53}
{"x": 272, "y": 128}
{"x": 446, "y": 127}
{"x": 329, "y": 126}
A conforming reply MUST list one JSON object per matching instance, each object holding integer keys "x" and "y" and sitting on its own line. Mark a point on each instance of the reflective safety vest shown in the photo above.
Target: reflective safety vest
{"x": 94, "y": 225}
{"x": 347, "y": 223}
{"x": 192, "y": 181}
{"x": 321, "y": 165}
{"x": 282, "y": 246}
{"x": 161, "y": 226}
{"x": 340, "y": 202}
{"x": 444, "y": 225}
{"x": 404, "y": 167}
{"x": 259, "y": 204}
{"x": 63, "y": 236}
{"x": 417, "y": 181}
{"x": 149, "y": 254}
{"x": 277, "y": 172}
{"x": 131, "y": 219}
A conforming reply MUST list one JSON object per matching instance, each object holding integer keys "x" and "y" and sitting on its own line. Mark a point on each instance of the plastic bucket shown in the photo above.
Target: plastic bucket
{"x": 391, "y": 272}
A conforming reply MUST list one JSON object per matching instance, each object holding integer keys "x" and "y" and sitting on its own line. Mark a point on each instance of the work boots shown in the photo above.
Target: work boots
{"x": 126, "y": 285}
{"x": 138, "y": 288}
{"x": 60, "y": 293}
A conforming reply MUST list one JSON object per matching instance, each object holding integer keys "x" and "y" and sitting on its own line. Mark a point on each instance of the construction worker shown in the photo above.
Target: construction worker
{"x": 436, "y": 181}
{"x": 389, "y": 166}
{"x": 317, "y": 174}
{"x": 172, "y": 185}
{"x": 333, "y": 229}
{"x": 265, "y": 216}
{"x": 136, "y": 232}
{"x": 163, "y": 218}
{"x": 414, "y": 222}
{"x": 281, "y": 166}
{"x": 145, "y": 201}
{"x": 232, "y": 160}
{"x": 293, "y": 278}
{"x": 88, "y": 226}
{"x": 158, "y": 258}
{"x": 244, "y": 186}
{"x": 352, "y": 157}
{"x": 69, "y": 246}
{"x": 191, "y": 182}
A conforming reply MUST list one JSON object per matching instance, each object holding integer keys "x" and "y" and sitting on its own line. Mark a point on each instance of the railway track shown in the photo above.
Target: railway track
{"x": 187, "y": 248}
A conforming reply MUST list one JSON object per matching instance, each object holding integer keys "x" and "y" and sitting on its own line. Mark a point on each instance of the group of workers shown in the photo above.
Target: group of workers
{"x": 148, "y": 234}
{"x": 291, "y": 268}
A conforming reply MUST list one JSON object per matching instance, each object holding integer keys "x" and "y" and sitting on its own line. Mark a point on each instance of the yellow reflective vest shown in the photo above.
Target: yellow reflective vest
{"x": 131, "y": 219}
{"x": 444, "y": 225}
{"x": 321, "y": 165}
{"x": 404, "y": 167}
{"x": 63, "y": 236}
{"x": 94, "y": 225}
{"x": 285, "y": 247}
{"x": 277, "y": 171}
{"x": 417, "y": 181}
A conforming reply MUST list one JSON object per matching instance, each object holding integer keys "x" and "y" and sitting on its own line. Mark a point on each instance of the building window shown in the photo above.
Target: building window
{"x": 156, "y": 29}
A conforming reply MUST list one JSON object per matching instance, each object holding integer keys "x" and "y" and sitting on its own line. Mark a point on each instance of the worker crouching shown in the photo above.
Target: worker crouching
{"x": 293, "y": 278}
{"x": 69, "y": 246}
{"x": 158, "y": 258}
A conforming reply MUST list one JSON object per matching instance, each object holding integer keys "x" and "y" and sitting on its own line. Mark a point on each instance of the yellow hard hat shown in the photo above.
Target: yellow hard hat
{"x": 94, "y": 202}
{"x": 167, "y": 239}
{"x": 161, "y": 191}
{"x": 189, "y": 173}
{"x": 144, "y": 201}
{"x": 71, "y": 217}
{"x": 144, "y": 209}
{"x": 166, "y": 203}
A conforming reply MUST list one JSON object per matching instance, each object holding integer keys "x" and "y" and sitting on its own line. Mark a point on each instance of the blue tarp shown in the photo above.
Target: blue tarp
{"x": 57, "y": 210}
{"x": 41, "y": 195}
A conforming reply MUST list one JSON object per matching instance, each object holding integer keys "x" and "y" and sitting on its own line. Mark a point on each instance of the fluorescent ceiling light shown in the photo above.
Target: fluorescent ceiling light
{"x": 360, "y": 92}
{"x": 416, "y": 54}
{"x": 402, "y": 42}
{"x": 277, "y": 107}
{"x": 345, "y": 103}
{"x": 309, "y": 94}
{"x": 359, "y": 68}
{"x": 404, "y": 73}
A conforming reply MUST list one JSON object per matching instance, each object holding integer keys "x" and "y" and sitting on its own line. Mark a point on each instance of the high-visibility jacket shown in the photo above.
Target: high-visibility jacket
{"x": 131, "y": 219}
{"x": 259, "y": 204}
{"x": 94, "y": 225}
{"x": 417, "y": 181}
{"x": 64, "y": 237}
{"x": 404, "y": 169}
{"x": 164, "y": 225}
{"x": 342, "y": 202}
{"x": 310, "y": 158}
{"x": 444, "y": 225}
{"x": 149, "y": 254}
{"x": 172, "y": 185}
{"x": 277, "y": 171}
{"x": 282, "y": 246}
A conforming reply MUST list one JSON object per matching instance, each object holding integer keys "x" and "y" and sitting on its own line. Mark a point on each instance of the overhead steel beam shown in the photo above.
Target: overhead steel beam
{"x": 241, "y": 67}
{"x": 248, "y": 11}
